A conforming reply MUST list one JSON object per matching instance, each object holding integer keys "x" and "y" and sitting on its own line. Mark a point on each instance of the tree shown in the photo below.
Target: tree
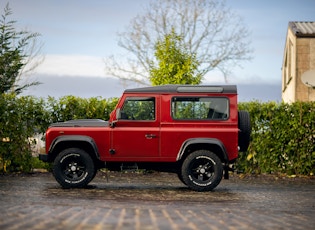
{"x": 18, "y": 53}
{"x": 209, "y": 30}
{"x": 175, "y": 64}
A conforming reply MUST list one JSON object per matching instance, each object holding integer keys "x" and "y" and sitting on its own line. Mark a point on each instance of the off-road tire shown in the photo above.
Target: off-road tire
{"x": 74, "y": 168}
{"x": 202, "y": 170}
{"x": 244, "y": 130}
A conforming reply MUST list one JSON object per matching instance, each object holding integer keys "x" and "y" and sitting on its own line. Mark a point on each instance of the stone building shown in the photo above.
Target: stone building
{"x": 299, "y": 58}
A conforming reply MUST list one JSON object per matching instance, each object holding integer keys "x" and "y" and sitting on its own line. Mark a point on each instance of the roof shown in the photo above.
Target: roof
{"x": 185, "y": 89}
{"x": 303, "y": 29}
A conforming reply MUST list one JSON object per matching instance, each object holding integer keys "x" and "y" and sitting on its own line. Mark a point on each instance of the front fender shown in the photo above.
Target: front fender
{"x": 73, "y": 140}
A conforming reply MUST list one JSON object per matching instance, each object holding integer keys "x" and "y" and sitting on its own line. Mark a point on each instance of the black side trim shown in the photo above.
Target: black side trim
{"x": 212, "y": 141}
{"x": 74, "y": 138}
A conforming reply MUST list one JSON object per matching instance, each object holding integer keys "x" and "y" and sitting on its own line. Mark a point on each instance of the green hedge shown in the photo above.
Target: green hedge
{"x": 282, "y": 139}
{"x": 23, "y": 117}
{"x": 283, "y": 135}
{"x": 20, "y": 119}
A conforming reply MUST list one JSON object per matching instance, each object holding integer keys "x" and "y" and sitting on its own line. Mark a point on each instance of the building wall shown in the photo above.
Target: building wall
{"x": 299, "y": 57}
{"x": 305, "y": 62}
{"x": 288, "y": 69}
{"x": 311, "y": 96}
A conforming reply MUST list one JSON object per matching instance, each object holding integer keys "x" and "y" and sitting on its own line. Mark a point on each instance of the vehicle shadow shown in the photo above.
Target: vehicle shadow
{"x": 143, "y": 192}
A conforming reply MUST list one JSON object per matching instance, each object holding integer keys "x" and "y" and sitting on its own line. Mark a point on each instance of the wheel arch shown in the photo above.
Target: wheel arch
{"x": 74, "y": 141}
{"x": 213, "y": 144}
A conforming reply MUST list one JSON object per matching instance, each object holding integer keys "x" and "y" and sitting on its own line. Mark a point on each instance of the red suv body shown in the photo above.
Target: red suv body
{"x": 194, "y": 131}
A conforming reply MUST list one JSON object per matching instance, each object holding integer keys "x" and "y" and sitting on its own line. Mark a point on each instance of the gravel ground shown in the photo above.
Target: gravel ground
{"x": 156, "y": 201}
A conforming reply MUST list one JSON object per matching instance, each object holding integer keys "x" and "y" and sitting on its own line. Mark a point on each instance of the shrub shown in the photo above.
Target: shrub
{"x": 283, "y": 137}
{"x": 24, "y": 117}
{"x": 21, "y": 118}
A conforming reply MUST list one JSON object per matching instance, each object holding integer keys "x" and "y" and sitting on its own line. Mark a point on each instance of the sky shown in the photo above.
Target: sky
{"x": 77, "y": 36}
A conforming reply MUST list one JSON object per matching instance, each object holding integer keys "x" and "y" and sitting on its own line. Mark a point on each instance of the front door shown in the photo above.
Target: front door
{"x": 136, "y": 134}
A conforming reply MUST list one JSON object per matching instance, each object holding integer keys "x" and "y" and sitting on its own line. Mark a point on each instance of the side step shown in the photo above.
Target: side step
{"x": 129, "y": 167}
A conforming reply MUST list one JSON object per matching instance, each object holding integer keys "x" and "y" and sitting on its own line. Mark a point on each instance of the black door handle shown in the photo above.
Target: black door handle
{"x": 150, "y": 136}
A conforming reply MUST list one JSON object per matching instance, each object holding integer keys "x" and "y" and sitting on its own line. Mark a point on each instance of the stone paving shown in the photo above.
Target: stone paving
{"x": 155, "y": 201}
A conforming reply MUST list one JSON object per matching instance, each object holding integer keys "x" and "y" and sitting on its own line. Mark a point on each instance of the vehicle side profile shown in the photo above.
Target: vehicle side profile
{"x": 193, "y": 131}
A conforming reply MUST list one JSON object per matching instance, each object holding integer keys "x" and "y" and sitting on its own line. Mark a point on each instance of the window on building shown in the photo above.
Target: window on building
{"x": 285, "y": 70}
{"x": 288, "y": 65}
{"x": 291, "y": 61}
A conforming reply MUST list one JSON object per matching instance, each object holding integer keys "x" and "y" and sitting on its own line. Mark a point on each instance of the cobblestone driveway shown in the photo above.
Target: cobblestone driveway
{"x": 155, "y": 201}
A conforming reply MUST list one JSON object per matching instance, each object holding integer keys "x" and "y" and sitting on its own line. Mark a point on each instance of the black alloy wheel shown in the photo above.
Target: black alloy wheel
{"x": 202, "y": 170}
{"x": 73, "y": 168}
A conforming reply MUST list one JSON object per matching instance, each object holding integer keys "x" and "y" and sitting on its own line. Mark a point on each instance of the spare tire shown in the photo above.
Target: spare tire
{"x": 244, "y": 130}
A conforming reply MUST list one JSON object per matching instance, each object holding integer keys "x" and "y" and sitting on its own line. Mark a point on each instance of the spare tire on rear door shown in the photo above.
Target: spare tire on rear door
{"x": 244, "y": 130}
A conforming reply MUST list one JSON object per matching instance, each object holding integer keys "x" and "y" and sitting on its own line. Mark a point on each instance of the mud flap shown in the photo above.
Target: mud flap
{"x": 227, "y": 169}
{"x": 226, "y": 173}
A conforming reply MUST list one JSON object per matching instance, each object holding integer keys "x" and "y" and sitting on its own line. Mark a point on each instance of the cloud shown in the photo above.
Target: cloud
{"x": 241, "y": 76}
{"x": 90, "y": 86}
{"x": 72, "y": 65}
{"x": 85, "y": 87}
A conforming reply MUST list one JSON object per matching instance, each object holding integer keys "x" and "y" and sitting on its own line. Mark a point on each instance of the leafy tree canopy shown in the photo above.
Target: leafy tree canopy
{"x": 17, "y": 49}
{"x": 175, "y": 65}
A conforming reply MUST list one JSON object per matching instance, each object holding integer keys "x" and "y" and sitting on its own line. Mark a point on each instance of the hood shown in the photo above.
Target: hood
{"x": 82, "y": 123}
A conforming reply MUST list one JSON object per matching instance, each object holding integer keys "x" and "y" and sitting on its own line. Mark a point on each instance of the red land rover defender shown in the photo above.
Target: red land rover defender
{"x": 194, "y": 131}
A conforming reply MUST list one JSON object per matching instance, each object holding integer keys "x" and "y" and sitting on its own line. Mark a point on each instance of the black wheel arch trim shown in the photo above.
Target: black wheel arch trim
{"x": 211, "y": 141}
{"x": 74, "y": 138}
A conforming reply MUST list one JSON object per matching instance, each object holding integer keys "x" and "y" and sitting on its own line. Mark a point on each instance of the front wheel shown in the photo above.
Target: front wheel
{"x": 202, "y": 170}
{"x": 73, "y": 168}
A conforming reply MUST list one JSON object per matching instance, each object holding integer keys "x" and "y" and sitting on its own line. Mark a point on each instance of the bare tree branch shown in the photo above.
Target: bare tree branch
{"x": 209, "y": 29}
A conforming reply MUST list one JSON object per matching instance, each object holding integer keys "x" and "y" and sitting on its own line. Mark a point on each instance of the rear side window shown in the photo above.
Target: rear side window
{"x": 200, "y": 108}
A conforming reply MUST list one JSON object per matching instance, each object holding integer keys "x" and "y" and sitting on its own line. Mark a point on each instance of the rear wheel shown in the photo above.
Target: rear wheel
{"x": 202, "y": 170}
{"x": 74, "y": 168}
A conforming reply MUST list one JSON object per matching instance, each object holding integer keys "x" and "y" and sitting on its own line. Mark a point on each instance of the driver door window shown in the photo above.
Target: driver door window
{"x": 140, "y": 109}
